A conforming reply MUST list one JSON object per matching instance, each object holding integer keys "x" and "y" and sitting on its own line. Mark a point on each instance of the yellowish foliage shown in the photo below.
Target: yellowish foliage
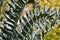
{"x": 50, "y": 2}
{"x": 41, "y": 33}
{"x": 53, "y": 34}
{"x": 30, "y": 6}
{"x": 53, "y": 39}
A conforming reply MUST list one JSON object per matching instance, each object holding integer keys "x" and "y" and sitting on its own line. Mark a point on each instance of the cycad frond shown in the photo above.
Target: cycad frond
{"x": 27, "y": 21}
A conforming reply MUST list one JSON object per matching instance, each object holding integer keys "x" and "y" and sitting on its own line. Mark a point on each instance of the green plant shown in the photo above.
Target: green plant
{"x": 22, "y": 23}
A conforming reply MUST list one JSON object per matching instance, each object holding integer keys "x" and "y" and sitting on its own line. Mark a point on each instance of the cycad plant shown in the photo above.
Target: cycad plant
{"x": 27, "y": 20}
